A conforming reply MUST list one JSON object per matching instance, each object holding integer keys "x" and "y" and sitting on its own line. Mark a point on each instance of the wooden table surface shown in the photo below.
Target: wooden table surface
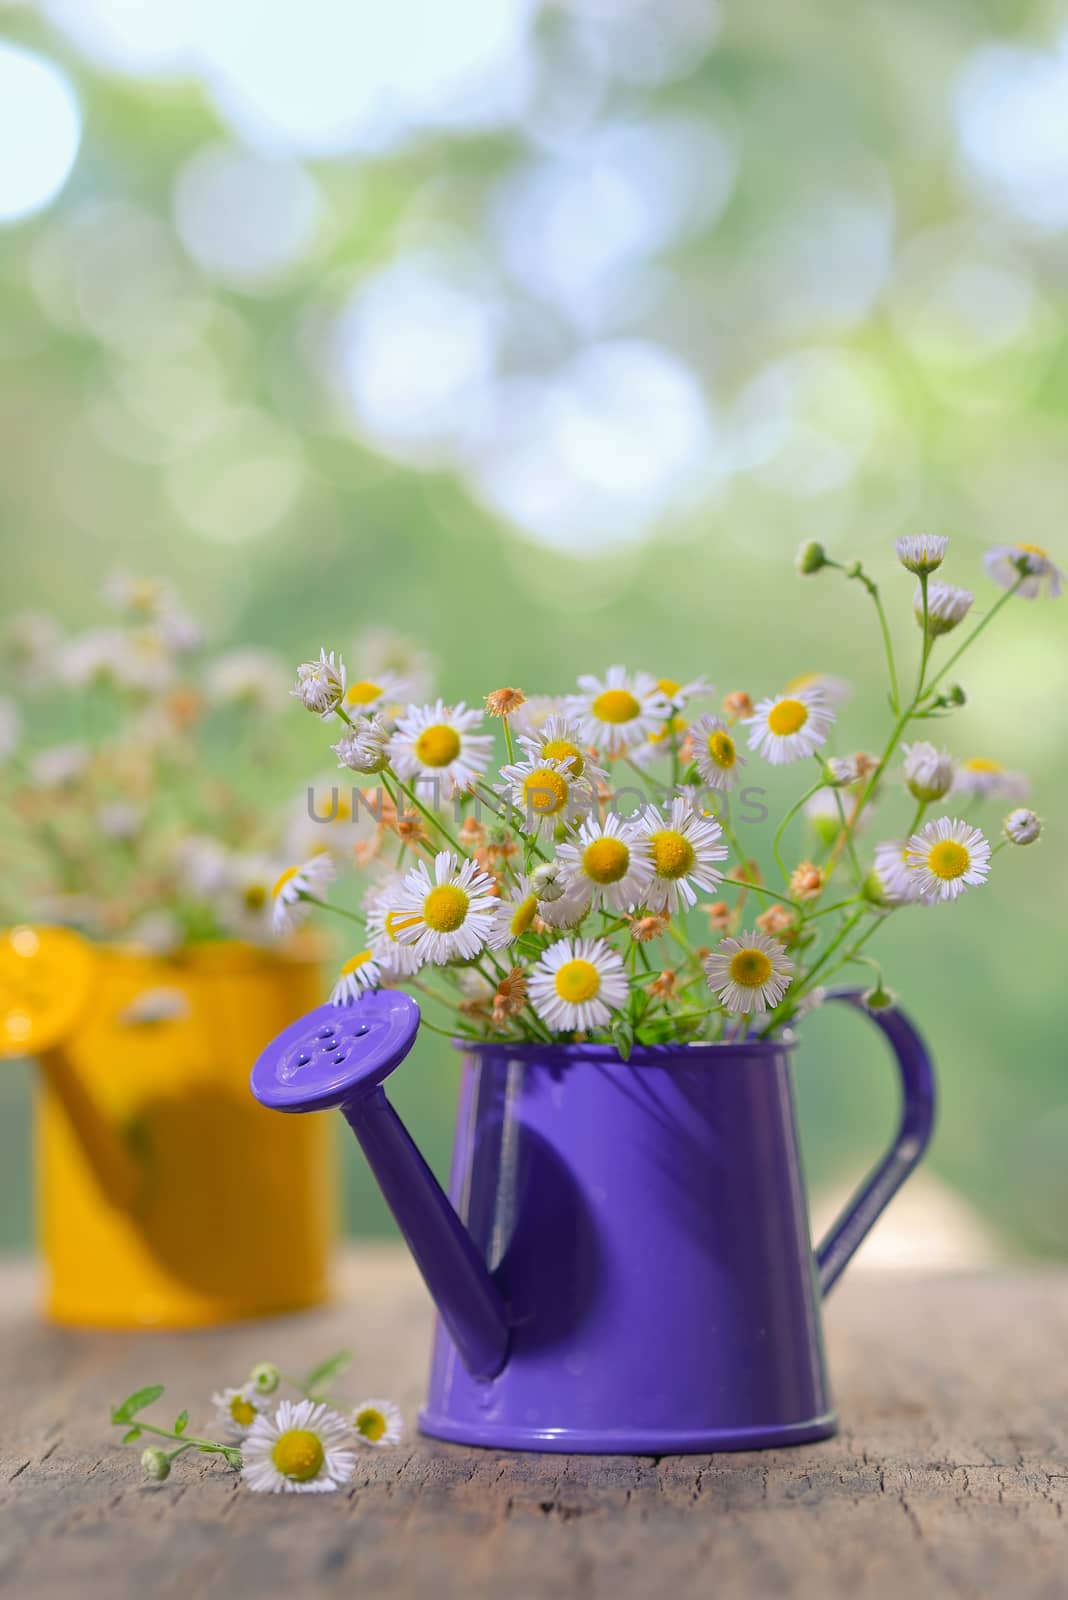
{"x": 949, "y": 1477}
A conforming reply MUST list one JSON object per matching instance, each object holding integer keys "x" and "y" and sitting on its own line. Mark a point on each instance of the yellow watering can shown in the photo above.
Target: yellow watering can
{"x": 165, "y": 1195}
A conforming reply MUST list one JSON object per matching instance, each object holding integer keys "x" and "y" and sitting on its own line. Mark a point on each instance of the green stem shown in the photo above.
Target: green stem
{"x": 888, "y": 644}
{"x": 435, "y": 821}
{"x": 327, "y": 905}
{"x": 508, "y": 745}
{"x": 787, "y": 819}
{"x": 758, "y": 888}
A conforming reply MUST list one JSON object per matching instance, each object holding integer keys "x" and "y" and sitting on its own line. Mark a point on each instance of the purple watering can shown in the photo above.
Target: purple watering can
{"x": 624, "y": 1263}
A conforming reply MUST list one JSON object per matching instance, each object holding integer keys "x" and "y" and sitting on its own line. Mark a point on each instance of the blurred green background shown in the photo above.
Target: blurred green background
{"x": 543, "y": 334}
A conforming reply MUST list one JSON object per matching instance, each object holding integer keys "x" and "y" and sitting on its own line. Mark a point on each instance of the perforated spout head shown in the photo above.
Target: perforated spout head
{"x": 335, "y": 1054}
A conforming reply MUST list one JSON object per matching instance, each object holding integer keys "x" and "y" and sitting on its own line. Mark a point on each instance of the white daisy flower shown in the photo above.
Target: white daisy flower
{"x": 946, "y": 857}
{"x": 305, "y": 1448}
{"x": 382, "y": 653}
{"x": 750, "y": 973}
{"x": 546, "y": 794}
{"x": 985, "y": 779}
{"x": 289, "y": 896}
{"x": 790, "y": 727}
{"x": 378, "y": 1423}
{"x": 836, "y": 691}
{"x": 659, "y": 743}
{"x": 91, "y": 658}
{"x": 321, "y": 684}
{"x": 610, "y": 865}
{"x": 145, "y": 662}
{"x": 534, "y": 713}
{"x": 448, "y": 916}
{"x": 363, "y": 746}
{"x": 437, "y": 742}
{"x": 844, "y": 770}
{"x": 255, "y": 679}
{"x": 9, "y": 729}
{"x": 619, "y": 711}
{"x": 557, "y": 739}
{"x": 1007, "y": 562}
{"x": 898, "y": 881}
{"x": 61, "y": 766}
{"x": 394, "y": 959}
{"x": 577, "y": 985}
{"x": 360, "y": 972}
{"x": 30, "y": 649}
{"x": 684, "y": 848}
{"x": 947, "y": 606}
{"x": 923, "y": 552}
{"x": 368, "y": 695}
{"x": 680, "y": 694}
{"x": 514, "y": 914}
{"x": 237, "y": 1409}
{"x": 715, "y": 753}
{"x": 929, "y": 772}
{"x": 1022, "y": 826}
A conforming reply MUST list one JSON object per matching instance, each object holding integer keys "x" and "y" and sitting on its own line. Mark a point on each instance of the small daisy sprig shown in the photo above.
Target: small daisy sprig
{"x": 518, "y": 897}
{"x": 278, "y": 1445}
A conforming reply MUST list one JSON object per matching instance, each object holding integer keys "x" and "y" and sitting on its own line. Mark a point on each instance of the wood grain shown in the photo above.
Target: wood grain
{"x": 950, "y": 1475}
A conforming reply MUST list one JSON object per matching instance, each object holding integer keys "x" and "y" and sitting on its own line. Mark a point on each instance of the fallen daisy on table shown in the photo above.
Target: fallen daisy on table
{"x": 237, "y": 1409}
{"x": 305, "y": 1448}
{"x": 378, "y": 1423}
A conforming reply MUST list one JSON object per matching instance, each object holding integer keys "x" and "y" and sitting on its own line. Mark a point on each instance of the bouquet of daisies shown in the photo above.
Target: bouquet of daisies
{"x": 580, "y": 875}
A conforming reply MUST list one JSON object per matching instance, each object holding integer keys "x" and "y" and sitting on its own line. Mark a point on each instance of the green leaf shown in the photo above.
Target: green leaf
{"x": 134, "y": 1433}
{"x": 139, "y": 1401}
{"x": 320, "y": 1378}
{"x": 623, "y": 1037}
{"x": 181, "y": 1422}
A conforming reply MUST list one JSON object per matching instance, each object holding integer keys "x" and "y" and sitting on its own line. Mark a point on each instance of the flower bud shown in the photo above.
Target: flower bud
{"x": 929, "y": 773}
{"x": 265, "y": 1377}
{"x": 955, "y": 695}
{"x": 320, "y": 684}
{"x": 921, "y": 553}
{"x": 873, "y": 890}
{"x": 156, "y": 1462}
{"x": 1022, "y": 826}
{"x": 811, "y": 558}
{"x": 880, "y": 998}
{"x": 547, "y": 881}
{"x": 947, "y": 607}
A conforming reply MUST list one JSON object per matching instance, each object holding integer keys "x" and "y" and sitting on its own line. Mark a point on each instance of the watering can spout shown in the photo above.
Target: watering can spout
{"x": 338, "y": 1056}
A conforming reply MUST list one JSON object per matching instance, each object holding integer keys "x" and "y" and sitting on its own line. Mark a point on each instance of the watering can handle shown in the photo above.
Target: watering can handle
{"x": 852, "y": 1226}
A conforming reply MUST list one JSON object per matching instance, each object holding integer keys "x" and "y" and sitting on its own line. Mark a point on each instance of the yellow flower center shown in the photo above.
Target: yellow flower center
{"x": 355, "y": 962}
{"x": 437, "y": 745}
{"x": 948, "y": 859}
{"x": 606, "y": 860}
{"x": 672, "y": 853}
{"x": 523, "y": 916}
{"x": 983, "y": 764}
{"x": 787, "y": 716}
{"x": 287, "y": 877}
{"x": 668, "y": 686}
{"x": 1034, "y": 550}
{"x": 545, "y": 790}
{"x": 298, "y": 1454}
{"x": 362, "y": 693}
{"x": 721, "y": 749}
{"x": 615, "y": 705}
{"x": 577, "y": 981}
{"x": 254, "y": 897}
{"x": 445, "y": 908}
{"x": 750, "y": 968}
{"x": 242, "y": 1411}
{"x": 804, "y": 680}
{"x": 563, "y": 751}
{"x": 370, "y": 1423}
